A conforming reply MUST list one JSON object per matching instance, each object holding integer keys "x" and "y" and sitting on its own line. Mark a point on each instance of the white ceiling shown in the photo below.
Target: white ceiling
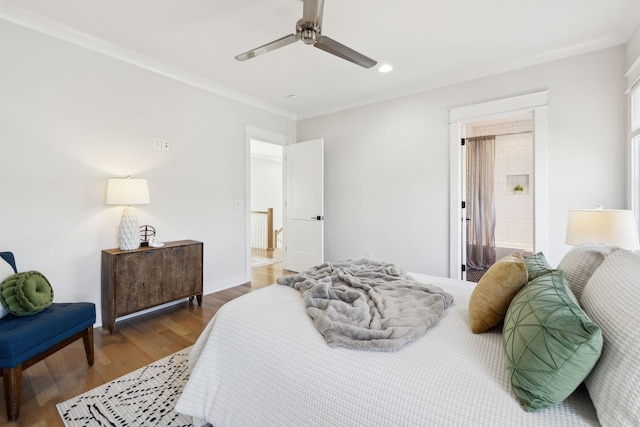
{"x": 429, "y": 43}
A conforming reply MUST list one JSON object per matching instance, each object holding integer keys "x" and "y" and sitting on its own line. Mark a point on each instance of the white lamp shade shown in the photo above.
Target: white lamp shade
{"x": 127, "y": 191}
{"x": 611, "y": 227}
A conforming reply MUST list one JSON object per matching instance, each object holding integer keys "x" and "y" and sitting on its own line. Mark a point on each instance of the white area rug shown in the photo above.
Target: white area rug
{"x": 258, "y": 261}
{"x": 145, "y": 397}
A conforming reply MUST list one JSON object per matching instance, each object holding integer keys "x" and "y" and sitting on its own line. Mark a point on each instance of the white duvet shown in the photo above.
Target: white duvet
{"x": 261, "y": 362}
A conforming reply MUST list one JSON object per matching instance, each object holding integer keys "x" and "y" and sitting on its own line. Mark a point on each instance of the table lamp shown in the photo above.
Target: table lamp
{"x": 611, "y": 227}
{"x": 128, "y": 191}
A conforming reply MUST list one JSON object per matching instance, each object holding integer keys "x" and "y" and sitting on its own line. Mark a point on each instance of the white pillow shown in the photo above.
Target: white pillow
{"x": 5, "y": 271}
{"x": 611, "y": 299}
{"x": 580, "y": 263}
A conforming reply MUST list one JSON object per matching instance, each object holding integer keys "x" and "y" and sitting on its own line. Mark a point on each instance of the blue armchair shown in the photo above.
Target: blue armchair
{"x": 26, "y": 340}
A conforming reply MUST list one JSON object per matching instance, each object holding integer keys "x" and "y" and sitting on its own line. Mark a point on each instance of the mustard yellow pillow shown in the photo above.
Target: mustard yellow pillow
{"x": 492, "y": 295}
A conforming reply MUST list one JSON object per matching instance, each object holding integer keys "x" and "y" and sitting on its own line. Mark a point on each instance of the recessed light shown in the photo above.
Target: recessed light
{"x": 293, "y": 97}
{"x": 385, "y": 68}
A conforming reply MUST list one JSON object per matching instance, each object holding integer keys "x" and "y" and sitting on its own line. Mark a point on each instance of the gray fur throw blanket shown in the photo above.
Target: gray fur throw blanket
{"x": 368, "y": 304}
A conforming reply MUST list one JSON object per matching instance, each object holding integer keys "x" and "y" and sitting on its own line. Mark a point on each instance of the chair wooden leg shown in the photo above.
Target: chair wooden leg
{"x": 87, "y": 339}
{"x": 12, "y": 390}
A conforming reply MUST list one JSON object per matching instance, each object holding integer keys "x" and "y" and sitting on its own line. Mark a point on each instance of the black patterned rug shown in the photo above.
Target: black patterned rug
{"x": 145, "y": 397}
{"x": 475, "y": 275}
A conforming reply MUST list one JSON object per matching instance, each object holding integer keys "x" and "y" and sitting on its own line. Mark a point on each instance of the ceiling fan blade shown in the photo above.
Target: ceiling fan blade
{"x": 340, "y": 50}
{"x": 312, "y": 13}
{"x": 276, "y": 44}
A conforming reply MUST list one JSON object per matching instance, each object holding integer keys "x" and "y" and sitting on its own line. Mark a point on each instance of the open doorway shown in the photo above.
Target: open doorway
{"x": 499, "y": 190}
{"x": 267, "y": 234}
{"x": 537, "y": 104}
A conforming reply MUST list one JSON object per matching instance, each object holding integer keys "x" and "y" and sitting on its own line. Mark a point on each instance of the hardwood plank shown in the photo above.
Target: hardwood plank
{"x": 137, "y": 342}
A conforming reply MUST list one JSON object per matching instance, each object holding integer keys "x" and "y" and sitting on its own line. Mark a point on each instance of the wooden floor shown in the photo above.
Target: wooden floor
{"x": 137, "y": 342}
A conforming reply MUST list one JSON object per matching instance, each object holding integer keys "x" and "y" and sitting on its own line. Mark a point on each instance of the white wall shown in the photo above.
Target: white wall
{"x": 70, "y": 118}
{"x": 387, "y": 164}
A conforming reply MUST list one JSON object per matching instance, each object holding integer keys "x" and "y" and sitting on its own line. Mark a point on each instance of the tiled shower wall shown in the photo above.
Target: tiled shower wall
{"x": 513, "y": 166}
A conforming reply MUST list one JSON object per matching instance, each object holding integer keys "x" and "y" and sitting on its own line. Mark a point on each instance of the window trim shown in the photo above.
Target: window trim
{"x": 634, "y": 154}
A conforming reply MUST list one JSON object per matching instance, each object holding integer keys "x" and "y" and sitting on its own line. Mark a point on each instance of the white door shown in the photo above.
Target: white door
{"x": 304, "y": 205}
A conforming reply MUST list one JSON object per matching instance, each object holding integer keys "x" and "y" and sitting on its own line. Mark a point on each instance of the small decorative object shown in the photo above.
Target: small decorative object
{"x": 154, "y": 244}
{"x": 147, "y": 233}
{"x": 128, "y": 191}
{"x": 517, "y": 188}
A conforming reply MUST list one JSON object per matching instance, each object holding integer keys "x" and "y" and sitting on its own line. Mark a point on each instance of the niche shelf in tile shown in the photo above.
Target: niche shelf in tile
{"x": 515, "y": 182}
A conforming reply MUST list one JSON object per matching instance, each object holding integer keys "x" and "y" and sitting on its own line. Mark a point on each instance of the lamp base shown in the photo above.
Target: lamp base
{"x": 129, "y": 232}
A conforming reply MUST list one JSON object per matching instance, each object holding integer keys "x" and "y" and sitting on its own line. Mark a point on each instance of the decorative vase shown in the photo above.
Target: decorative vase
{"x": 129, "y": 233}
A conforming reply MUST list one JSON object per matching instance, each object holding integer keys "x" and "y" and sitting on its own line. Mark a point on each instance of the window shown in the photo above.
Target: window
{"x": 635, "y": 150}
{"x": 635, "y": 109}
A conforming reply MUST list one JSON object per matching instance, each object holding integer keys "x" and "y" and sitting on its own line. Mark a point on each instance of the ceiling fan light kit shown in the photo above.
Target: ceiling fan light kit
{"x": 309, "y": 30}
{"x": 385, "y": 68}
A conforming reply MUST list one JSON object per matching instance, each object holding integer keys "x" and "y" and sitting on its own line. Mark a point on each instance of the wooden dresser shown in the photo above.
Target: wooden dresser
{"x": 148, "y": 277}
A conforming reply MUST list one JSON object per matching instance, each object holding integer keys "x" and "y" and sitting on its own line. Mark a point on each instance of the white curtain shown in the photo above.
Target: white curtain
{"x": 481, "y": 223}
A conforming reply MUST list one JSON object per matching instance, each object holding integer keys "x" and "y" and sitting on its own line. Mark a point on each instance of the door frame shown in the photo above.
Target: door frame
{"x": 537, "y": 104}
{"x": 263, "y": 135}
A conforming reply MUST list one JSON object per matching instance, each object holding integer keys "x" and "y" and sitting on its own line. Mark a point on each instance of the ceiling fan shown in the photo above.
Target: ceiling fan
{"x": 309, "y": 30}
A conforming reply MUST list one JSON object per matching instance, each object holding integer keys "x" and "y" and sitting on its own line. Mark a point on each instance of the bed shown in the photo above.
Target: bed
{"x": 262, "y": 362}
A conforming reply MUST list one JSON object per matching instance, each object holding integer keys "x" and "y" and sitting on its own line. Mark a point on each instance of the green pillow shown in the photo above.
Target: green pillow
{"x": 537, "y": 266}
{"x": 551, "y": 345}
{"x": 26, "y": 293}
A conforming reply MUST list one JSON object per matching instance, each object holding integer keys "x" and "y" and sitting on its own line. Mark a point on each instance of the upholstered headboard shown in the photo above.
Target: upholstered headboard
{"x": 8, "y": 256}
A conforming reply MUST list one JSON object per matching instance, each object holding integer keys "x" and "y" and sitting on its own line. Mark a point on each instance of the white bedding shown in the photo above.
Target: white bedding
{"x": 261, "y": 362}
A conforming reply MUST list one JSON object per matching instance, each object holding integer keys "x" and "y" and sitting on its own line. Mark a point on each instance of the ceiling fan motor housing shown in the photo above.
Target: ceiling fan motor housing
{"x": 309, "y": 36}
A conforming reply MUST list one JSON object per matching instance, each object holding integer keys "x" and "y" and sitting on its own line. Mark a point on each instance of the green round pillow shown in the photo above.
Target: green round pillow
{"x": 26, "y": 293}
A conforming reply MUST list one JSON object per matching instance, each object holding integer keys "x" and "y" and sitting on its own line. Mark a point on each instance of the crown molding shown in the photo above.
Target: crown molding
{"x": 19, "y": 16}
